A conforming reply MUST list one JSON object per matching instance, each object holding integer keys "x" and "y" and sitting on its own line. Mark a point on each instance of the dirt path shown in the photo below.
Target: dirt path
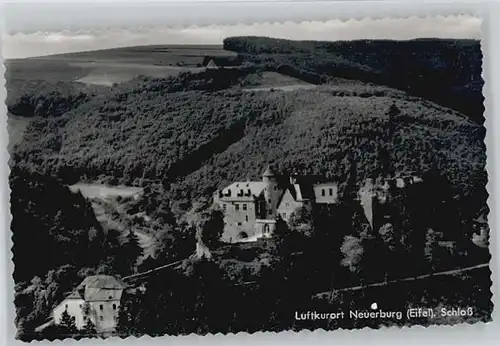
{"x": 151, "y": 271}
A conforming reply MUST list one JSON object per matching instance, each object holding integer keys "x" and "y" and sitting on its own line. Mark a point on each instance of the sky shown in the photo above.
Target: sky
{"x": 64, "y": 28}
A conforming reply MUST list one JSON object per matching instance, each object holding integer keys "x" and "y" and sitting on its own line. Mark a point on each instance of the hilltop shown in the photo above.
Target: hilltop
{"x": 445, "y": 71}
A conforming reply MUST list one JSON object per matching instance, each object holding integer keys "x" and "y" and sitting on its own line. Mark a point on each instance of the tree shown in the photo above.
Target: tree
{"x": 89, "y": 328}
{"x": 348, "y": 189}
{"x": 388, "y": 236}
{"x": 301, "y": 221}
{"x": 384, "y": 149}
{"x": 393, "y": 113}
{"x": 132, "y": 249}
{"x": 431, "y": 253}
{"x": 387, "y": 253}
{"x": 67, "y": 323}
{"x": 352, "y": 250}
{"x": 129, "y": 315}
{"x": 281, "y": 235}
{"x": 211, "y": 226}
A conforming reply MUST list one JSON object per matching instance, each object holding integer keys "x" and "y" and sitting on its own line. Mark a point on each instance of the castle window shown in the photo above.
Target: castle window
{"x": 331, "y": 192}
{"x": 101, "y": 307}
{"x": 270, "y": 211}
{"x": 80, "y": 306}
{"x": 275, "y": 188}
{"x": 101, "y": 318}
{"x": 237, "y": 206}
{"x": 322, "y": 192}
{"x": 269, "y": 201}
{"x": 246, "y": 218}
{"x": 224, "y": 206}
{"x": 239, "y": 223}
{"x": 114, "y": 306}
{"x": 241, "y": 192}
{"x": 244, "y": 206}
{"x": 66, "y": 306}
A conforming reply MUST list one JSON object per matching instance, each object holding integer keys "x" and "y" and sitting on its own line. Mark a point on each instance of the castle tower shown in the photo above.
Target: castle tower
{"x": 271, "y": 193}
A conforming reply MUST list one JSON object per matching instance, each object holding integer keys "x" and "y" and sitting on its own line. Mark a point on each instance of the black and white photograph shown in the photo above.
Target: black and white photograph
{"x": 249, "y": 178}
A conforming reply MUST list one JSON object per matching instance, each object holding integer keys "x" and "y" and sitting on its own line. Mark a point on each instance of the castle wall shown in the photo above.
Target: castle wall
{"x": 272, "y": 194}
{"x": 326, "y": 193}
{"x": 239, "y": 217}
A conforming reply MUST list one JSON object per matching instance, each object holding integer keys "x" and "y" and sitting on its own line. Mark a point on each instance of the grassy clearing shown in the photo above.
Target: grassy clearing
{"x": 267, "y": 81}
{"x": 104, "y": 191}
{"x": 107, "y": 73}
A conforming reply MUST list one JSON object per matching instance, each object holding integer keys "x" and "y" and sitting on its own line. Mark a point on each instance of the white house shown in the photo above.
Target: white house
{"x": 97, "y": 298}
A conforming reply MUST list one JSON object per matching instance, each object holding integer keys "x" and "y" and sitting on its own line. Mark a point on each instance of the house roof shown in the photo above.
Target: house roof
{"x": 211, "y": 64}
{"x": 74, "y": 295}
{"x": 301, "y": 192}
{"x": 255, "y": 187}
{"x": 103, "y": 282}
{"x": 98, "y": 288}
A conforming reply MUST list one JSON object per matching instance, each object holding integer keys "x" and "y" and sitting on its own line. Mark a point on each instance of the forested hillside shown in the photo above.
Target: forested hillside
{"x": 445, "y": 71}
{"x": 199, "y": 141}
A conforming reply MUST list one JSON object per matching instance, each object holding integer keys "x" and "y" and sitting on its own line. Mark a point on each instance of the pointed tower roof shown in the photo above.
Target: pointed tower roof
{"x": 211, "y": 64}
{"x": 269, "y": 172}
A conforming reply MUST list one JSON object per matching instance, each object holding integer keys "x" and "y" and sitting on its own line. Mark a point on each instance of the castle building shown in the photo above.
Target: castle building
{"x": 252, "y": 207}
{"x": 249, "y": 207}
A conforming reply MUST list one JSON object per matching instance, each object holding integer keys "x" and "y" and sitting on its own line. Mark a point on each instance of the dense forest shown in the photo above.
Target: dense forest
{"x": 372, "y": 115}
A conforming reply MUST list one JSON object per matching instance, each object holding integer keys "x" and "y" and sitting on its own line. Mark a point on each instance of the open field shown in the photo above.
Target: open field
{"x": 268, "y": 80}
{"x": 165, "y": 55}
{"x": 108, "y": 73}
{"x": 283, "y": 88}
{"x": 105, "y": 67}
{"x": 103, "y": 191}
